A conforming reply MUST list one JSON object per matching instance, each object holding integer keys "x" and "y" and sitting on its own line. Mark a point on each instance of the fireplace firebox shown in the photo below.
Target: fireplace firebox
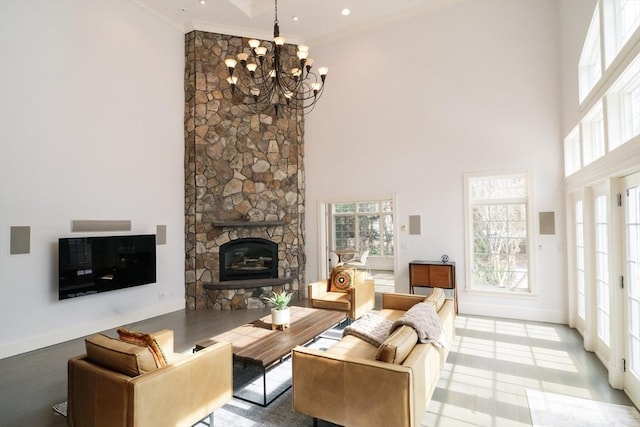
{"x": 248, "y": 258}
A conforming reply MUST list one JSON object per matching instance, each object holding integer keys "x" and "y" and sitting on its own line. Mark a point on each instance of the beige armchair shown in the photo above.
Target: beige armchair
{"x": 357, "y": 301}
{"x": 188, "y": 389}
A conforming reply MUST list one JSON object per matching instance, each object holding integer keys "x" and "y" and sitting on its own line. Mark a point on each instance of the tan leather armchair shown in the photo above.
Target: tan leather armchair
{"x": 359, "y": 300}
{"x": 180, "y": 394}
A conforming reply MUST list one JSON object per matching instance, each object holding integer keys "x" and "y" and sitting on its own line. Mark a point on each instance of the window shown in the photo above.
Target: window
{"x": 632, "y": 109}
{"x": 627, "y": 14}
{"x": 623, "y": 106}
{"x": 364, "y": 225}
{"x": 593, "y": 134}
{"x": 602, "y": 268}
{"x": 580, "y": 274}
{"x": 498, "y": 229}
{"x": 612, "y": 114}
{"x": 621, "y": 20}
{"x": 590, "y": 67}
{"x": 572, "y": 159}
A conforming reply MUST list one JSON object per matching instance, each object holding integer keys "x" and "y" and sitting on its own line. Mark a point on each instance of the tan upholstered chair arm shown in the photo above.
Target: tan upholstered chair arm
{"x": 179, "y": 394}
{"x": 402, "y": 302}
{"x": 317, "y": 289}
{"x": 363, "y": 298}
{"x": 186, "y": 390}
{"x": 349, "y": 391}
{"x": 91, "y": 390}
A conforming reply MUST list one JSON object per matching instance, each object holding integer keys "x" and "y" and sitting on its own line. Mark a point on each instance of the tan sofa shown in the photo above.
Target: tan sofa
{"x": 357, "y": 301}
{"x": 119, "y": 384}
{"x": 346, "y": 385}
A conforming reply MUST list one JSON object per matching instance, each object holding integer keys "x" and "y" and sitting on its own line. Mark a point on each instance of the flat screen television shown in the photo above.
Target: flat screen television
{"x": 89, "y": 265}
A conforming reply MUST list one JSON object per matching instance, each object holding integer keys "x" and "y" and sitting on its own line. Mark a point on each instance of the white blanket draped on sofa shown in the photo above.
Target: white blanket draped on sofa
{"x": 422, "y": 317}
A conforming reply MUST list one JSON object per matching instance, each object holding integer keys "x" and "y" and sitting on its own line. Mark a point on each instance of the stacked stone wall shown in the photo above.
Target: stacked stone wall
{"x": 238, "y": 167}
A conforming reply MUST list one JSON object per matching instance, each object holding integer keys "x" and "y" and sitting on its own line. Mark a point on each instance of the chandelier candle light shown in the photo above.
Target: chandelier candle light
{"x": 283, "y": 82}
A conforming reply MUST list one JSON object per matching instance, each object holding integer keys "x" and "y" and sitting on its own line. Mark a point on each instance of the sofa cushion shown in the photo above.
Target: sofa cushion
{"x": 342, "y": 278}
{"x": 351, "y": 346}
{"x": 145, "y": 340}
{"x": 398, "y": 345}
{"x": 436, "y": 298}
{"x": 333, "y": 301}
{"x": 125, "y": 358}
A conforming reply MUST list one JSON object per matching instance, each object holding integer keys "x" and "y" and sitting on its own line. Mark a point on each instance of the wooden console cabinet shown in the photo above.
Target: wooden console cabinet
{"x": 433, "y": 274}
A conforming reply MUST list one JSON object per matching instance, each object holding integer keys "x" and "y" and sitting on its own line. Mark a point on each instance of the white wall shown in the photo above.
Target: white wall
{"x": 411, "y": 107}
{"x": 575, "y": 17}
{"x": 91, "y": 105}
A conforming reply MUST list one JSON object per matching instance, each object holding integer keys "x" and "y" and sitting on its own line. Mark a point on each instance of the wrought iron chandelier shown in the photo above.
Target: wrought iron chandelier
{"x": 278, "y": 81}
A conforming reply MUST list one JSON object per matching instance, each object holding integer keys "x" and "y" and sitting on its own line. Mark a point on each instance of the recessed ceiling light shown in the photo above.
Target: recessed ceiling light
{"x": 295, "y": 18}
{"x": 345, "y": 12}
{"x": 203, "y": 1}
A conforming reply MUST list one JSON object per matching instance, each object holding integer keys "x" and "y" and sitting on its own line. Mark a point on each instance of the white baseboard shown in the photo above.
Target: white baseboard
{"x": 516, "y": 313}
{"x": 59, "y": 336}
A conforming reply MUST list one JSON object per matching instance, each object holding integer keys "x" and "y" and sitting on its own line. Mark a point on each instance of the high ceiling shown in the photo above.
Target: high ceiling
{"x": 317, "y": 20}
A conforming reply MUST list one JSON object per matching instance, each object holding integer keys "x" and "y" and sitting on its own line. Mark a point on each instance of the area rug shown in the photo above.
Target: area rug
{"x": 239, "y": 413}
{"x": 557, "y": 410}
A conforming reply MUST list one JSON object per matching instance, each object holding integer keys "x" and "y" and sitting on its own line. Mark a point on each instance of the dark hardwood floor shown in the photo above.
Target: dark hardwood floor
{"x": 491, "y": 364}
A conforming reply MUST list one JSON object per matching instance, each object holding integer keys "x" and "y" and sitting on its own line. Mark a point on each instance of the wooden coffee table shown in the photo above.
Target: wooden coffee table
{"x": 257, "y": 344}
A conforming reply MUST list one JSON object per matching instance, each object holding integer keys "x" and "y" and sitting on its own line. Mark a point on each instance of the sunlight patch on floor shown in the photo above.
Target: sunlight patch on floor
{"x": 486, "y": 383}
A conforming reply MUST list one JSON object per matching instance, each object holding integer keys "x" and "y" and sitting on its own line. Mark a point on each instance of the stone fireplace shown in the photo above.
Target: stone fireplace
{"x": 244, "y": 179}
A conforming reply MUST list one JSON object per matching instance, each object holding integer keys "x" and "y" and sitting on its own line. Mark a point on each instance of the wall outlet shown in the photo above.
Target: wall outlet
{"x": 161, "y": 295}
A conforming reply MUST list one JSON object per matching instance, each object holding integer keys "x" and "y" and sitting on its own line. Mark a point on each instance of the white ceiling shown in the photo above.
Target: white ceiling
{"x": 318, "y": 20}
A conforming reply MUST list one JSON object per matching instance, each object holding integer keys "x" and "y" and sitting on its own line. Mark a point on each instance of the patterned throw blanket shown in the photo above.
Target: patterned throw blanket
{"x": 423, "y": 318}
{"x": 371, "y": 328}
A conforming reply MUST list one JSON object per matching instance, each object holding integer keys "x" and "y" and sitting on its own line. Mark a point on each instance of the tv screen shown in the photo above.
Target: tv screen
{"x": 89, "y": 265}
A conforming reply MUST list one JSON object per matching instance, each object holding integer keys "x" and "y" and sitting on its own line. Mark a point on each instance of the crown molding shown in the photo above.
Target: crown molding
{"x": 160, "y": 15}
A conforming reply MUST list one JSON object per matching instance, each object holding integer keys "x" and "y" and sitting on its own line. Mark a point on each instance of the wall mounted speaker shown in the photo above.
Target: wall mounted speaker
{"x": 161, "y": 234}
{"x": 547, "y": 222}
{"x": 414, "y": 224}
{"x": 20, "y": 240}
{"x": 80, "y": 225}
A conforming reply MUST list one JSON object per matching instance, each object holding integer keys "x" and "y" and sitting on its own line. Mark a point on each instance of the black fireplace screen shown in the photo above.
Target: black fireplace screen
{"x": 248, "y": 258}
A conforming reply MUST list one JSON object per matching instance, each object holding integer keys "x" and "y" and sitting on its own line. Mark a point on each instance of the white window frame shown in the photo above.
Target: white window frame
{"x": 572, "y": 152}
{"x": 593, "y": 135}
{"x": 373, "y": 258}
{"x": 590, "y": 65}
{"x": 623, "y": 116}
{"x": 580, "y": 261}
{"x": 469, "y": 204}
{"x": 602, "y": 269}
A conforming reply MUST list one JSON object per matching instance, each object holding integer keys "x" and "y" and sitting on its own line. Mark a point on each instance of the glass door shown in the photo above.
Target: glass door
{"x": 631, "y": 201}
{"x": 603, "y": 288}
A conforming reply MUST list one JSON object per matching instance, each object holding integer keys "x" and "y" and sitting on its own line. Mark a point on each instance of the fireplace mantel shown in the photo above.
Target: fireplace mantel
{"x": 247, "y": 284}
{"x": 247, "y": 223}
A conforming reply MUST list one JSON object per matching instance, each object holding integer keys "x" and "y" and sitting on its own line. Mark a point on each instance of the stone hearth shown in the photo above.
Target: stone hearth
{"x": 244, "y": 172}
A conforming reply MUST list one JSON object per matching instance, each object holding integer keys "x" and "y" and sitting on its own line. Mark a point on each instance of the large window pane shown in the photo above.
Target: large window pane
{"x": 344, "y": 231}
{"x": 572, "y": 158}
{"x": 499, "y": 227}
{"x": 602, "y": 268}
{"x": 344, "y": 207}
{"x": 364, "y": 226}
{"x": 590, "y": 67}
{"x": 580, "y": 274}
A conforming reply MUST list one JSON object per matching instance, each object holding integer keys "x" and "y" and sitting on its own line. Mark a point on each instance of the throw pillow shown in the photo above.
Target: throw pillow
{"x": 144, "y": 340}
{"x": 397, "y": 347}
{"x": 119, "y": 356}
{"x": 342, "y": 279}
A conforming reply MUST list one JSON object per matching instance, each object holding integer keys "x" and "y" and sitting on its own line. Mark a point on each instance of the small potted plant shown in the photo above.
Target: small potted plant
{"x": 280, "y": 308}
